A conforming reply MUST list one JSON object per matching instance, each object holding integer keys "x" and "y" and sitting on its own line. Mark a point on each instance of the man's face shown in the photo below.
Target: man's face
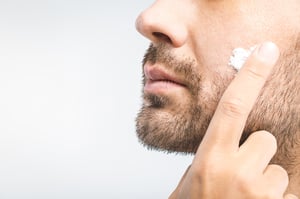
{"x": 186, "y": 66}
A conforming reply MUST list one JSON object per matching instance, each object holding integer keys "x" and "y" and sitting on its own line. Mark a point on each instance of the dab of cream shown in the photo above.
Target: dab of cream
{"x": 239, "y": 57}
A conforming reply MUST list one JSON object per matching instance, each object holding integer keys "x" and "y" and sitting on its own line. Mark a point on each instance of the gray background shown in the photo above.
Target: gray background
{"x": 70, "y": 82}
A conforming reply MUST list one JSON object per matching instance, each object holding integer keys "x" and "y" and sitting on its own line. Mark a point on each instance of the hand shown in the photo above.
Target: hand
{"x": 222, "y": 169}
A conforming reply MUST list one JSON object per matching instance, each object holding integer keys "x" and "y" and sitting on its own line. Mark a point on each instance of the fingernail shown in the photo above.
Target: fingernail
{"x": 268, "y": 51}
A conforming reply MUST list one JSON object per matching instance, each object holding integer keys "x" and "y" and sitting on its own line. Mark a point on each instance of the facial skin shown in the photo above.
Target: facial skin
{"x": 191, "y": 42}
{"x": 193, "y": 45}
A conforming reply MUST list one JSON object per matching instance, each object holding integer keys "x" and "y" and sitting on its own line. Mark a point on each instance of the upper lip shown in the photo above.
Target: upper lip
{"x": 156, "y": 73}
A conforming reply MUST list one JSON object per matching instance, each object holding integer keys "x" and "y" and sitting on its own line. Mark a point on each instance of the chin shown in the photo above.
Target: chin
{"x": 172, "y": 127}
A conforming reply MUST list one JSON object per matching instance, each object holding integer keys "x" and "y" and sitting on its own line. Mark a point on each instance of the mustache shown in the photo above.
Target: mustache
{"x": 183, "y": 66}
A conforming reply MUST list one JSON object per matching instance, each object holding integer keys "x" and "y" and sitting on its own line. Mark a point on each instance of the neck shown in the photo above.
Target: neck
{"x": 294, "y": 184}
{"x": 294, "y": 171}
{"x": 288, "y": 156}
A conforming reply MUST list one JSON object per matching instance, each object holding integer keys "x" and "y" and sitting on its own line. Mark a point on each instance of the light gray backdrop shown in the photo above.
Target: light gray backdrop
{"x": 70, "y": 82}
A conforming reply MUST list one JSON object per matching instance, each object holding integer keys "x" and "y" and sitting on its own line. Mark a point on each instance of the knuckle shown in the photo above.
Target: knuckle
{"x": 280, "y": 172}
{"x": 234, "y": 107}
{"x": 205, "y": 169}
{"x": 279, "y": 179}
{"x": 272, "y": 193}
{"x": 255, "y": 73}
{"x": 267, "y": 138}
{"x": 209, "y": 168}
{"x": 244, "y": 182}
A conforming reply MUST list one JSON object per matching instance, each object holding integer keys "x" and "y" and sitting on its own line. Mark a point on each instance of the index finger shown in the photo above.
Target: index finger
{"x": 227, "y": 124}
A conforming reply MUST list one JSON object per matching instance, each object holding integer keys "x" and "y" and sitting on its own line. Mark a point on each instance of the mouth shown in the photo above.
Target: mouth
{"x": 158, "y": 80}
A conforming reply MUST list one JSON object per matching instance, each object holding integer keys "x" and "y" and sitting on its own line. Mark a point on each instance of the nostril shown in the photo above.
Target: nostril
{"x": 162, "y": 37}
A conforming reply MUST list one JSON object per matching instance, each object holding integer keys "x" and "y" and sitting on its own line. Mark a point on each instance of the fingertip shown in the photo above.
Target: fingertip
{"x": 268, "y": 52}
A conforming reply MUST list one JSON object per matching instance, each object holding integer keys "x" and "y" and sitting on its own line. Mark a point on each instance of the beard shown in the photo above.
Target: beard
{"x": 180, "y": 130}
{"x": 168, "y": 124}
{"x": 172, "y": 125}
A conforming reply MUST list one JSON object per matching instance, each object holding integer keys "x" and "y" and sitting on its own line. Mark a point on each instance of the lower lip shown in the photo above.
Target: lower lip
{"x": 161, "y": 86}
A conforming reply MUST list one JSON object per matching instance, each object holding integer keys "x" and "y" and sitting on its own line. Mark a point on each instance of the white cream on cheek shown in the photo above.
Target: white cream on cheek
{"x": 239, "y": 57}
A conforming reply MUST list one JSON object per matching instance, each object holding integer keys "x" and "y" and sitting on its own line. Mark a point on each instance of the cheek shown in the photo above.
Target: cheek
{"x": 214, "y": 53}
{"x": 214, "y": 84}
{"x": 216, "y": 66}
{"x": 213, "y": 61}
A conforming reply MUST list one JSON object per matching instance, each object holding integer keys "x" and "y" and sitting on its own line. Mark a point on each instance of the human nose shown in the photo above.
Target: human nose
{"x": 162, "y": 23}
